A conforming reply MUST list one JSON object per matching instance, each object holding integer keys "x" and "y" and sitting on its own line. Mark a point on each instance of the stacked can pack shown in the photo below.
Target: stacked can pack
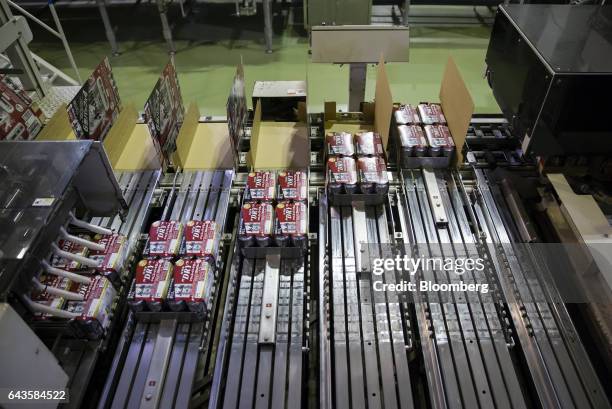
{"x": 412, "y": 140}
{"x": 373, "y": 176}
{"x": 291, "y": 224}
{"x": 95, "y": 309}
{"x": 260, "y": 186}
{"x": 165, "y": 238}
{"x": 339, "y": 144}
{"x": 70, "y": 247}
{"x": 151, "y": 284}
{"x": 369, "y": 144}
{"x": 192, "y": 285}
{"x": 256, "y": 224}
{"x": 44, "y": 298}
{"x": 407, "y": 115}
{"x": 341, "y": 174}
{"x": 112, "y": 259}
{"x": 431, "y": 114}
{"x": 201, "y": 239}
{"x": 440, "y": 140}
{"x": 292, "y": 185}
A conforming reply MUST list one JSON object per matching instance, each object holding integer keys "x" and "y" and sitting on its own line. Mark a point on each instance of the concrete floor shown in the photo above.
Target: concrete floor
{"x": 210, "y": 42}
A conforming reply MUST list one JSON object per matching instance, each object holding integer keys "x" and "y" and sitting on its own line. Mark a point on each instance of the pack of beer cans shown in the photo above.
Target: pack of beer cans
{"x": 422, "y": 131}
{"x": 49, "y": 300}
{"x": 97, "y": 287}
{"x": 274, "y": 211}
{"x": 92, "y": 314}
{"x": 356, "y": 163}
{"x": 179, "y": 258}
{"x": 95, "y": 310}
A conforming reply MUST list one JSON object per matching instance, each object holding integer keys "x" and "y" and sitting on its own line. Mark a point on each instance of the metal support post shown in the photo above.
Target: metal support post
{"x": 166, "y": 30}
{"x": 406, "y": 12}
{"x": 62, "y": 36}
{"x": 357, "y": 84}
{"x": 267, "y": 10}
{"x": 108, "y": 28}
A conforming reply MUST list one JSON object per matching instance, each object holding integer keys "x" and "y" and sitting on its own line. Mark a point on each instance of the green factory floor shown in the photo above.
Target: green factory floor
{"x": 211, "y": 42}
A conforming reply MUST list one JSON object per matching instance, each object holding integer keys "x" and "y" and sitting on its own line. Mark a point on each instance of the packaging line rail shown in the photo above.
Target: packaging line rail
{"x": 464, "y": 339}
{"x": 259, "y": 367}
{"x": 477, "y": 351}
{"x": 160, "y": 354}
{"x": 474, "y": 346}
{"x": 558, "y": 363}
{"x": 369, "y": 333}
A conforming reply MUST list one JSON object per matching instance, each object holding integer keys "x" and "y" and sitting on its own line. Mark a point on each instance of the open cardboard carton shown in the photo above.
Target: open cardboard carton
{"x": 455, "y": 99}
{"x": 279, "y": 145}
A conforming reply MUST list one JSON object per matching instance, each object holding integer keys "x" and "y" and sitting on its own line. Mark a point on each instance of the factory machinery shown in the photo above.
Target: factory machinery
{"x": 304, "y": 303}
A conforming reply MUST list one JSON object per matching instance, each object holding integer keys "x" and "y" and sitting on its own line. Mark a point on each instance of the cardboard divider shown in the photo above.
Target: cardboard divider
{"x": 128, "y": 144}
{"x": 186, "y": 135}
{"x": 58, "y": 128}
{"x": 255, "y": 134}
{"x": 203, "y": 145}
{"x": 138, "y": 153}
{"x": 115, "y": 141}
{"x": 383, "y": 103}
{"x": 457, "y": 105}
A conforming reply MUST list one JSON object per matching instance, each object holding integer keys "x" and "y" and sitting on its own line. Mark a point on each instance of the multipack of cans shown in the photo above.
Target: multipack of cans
{"x": 260, "y": 185}
{"x": 49, "y": 300}
{"x": 112, "y": 259}
{"x": 162, "y": 278}
{"x": 422, "y": 131}
{"x": 151, "y": 284}
{"x": 362, "y": 171}
{"x": 201, "y": 239}
{"x": 77, "y": 258}
{"x": 192, "y": 285}
{"x": 73, "y": 248}
{"x": 96, "y": 307}
{"x": 275, "y": 220}
{"x": 76, "y": 279}
{"x": 165, "y": 238}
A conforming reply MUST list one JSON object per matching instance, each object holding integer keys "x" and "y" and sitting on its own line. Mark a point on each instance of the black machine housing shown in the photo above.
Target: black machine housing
{"x": 550, "y": 68}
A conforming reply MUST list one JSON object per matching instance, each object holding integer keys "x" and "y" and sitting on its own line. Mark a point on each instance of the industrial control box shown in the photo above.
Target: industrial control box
{"x": 550, "y": 68}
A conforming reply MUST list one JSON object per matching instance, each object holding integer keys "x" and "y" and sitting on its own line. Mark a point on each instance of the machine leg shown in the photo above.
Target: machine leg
{"x": 357, "y": 83}
{"x": 267, "y": 10}
{"x": 166, "y": 30}
{"x": 110, "y": 33}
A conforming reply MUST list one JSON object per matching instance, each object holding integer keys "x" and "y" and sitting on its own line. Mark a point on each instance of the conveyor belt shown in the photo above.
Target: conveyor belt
{"x": 368, "y": 346}
{"x": 513, "y": 346}
{"x": 250, "y": 372}
{"x": 469, "y": 360}
{"x": 155, "y": 362}
{"x": 559, "y": 366}
{"x": 473, "y": 367}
